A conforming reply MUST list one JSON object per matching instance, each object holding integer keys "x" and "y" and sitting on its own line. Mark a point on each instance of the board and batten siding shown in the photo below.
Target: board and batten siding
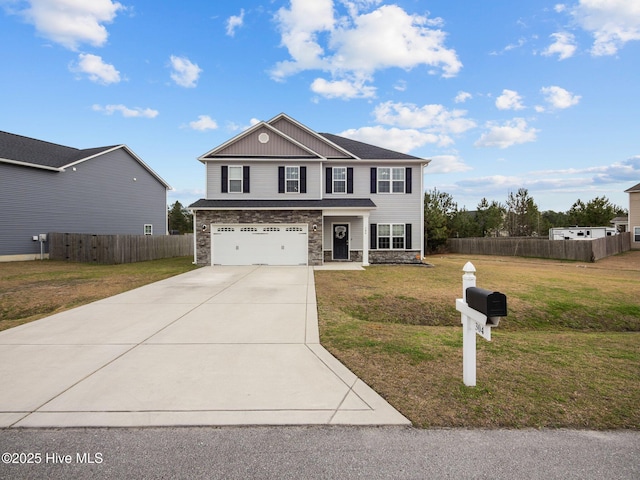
{"x": 100, "y": 197}
{"x": 263, "y": 180}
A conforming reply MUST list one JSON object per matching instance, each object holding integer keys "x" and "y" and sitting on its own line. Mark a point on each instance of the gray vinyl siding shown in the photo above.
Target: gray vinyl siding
{"x": 391, "y": 207}
{"x": 263, "y": 180}
{"x": 99, "y": 197}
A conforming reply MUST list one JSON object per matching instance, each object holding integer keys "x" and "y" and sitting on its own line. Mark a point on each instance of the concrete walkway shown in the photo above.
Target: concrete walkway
{"x": 215, "y": 346}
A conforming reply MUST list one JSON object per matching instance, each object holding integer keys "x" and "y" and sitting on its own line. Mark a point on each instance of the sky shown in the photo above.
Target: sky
{"x": 500, "y": 95}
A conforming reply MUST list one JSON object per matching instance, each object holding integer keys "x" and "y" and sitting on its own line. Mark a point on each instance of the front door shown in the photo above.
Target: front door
{"x": 341, "y": 241}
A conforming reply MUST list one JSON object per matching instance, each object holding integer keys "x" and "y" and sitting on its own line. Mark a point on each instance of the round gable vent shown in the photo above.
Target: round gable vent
{"x": 263, "y": 137}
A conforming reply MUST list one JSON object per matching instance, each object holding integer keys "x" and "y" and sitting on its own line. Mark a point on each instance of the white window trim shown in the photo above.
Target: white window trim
{"x": 150, "y": 227}
{"x": 229, "y": 178}
{"x": 636, "y": 232}
{"x": 391, "y": 236}
{"x": 391, "y": 180}
{"x": 287, "y": 180}
{"x": 334, "y": 180}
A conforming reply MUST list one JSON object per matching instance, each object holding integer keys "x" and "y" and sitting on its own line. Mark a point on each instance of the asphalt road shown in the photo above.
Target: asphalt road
{"x": 318, "y": 452}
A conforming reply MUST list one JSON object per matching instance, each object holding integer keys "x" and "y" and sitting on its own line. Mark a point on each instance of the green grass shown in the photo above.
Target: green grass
{"x": 567, "y": 355}
{"x": 32, "y": 290}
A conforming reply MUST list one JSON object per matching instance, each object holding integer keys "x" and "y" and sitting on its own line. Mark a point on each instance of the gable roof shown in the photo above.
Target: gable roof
{"x": 635, "y": 188}
{"x": 35, "y": 152}
{"x": 30, "y": 152}
{"x": 366, "y": 151}
{"x": 297, "y": 140}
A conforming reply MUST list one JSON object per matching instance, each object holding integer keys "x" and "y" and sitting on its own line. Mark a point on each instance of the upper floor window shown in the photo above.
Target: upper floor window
{"x": 292, "y": 179}
{"x": 391, "y": 180}
{"x": 235, "y": 179}
{"x": 148, "y": 229}
{"x": 339, "y": 179}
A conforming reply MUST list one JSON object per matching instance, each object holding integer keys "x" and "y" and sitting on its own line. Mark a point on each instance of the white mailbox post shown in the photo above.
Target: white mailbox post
{"x": 474, "y": 321}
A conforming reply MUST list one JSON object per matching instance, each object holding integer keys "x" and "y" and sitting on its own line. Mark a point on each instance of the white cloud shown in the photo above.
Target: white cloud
{"x": 342, "y": 89}
{"x": 564, "y": 46}
{"x": 204, "y": 123}
{"x": 400, "y": 140}
{"x": 511, "y": 133}
{"x": 435, "y": 118}
{"x": 447, "y": 164}
{"x": 96, "y": 69}
{"x": 401, "y": 85}
{"x": 185, "y": 73}
{"x": 299, "y": 27}
{"x": 619, "y": 172}
{"x": 356, "y": 45}
{"x": 462, "y": 97}
{"x": 72, "y": 22}
{"x": 611, "y": 22}
{"x": 234, "y": 22}
{"x": 509, "y": 100}
{"x": 559, "y": 98}
{"x": 126, "y": 111}
{"x": 390, "y": 37}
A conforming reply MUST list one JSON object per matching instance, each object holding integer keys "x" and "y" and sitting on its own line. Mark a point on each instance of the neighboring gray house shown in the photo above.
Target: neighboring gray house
{"x": 634, "y": 215}
{"x": 46, "y": 187}
{"x": 281, "y": 194}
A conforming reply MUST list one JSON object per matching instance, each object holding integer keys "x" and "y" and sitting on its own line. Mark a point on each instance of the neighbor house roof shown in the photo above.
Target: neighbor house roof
{"x": 40, "y": 153}
{"x": 635, "y": 188}
{"x": 285, "y": 204}
{"x": 30, "y": 152}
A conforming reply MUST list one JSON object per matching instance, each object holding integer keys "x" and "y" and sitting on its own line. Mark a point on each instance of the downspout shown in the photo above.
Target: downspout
{"x": 195, "y": 244}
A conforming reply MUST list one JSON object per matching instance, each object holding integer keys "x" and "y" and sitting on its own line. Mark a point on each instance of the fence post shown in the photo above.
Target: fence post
{"x": 468, "y": 331}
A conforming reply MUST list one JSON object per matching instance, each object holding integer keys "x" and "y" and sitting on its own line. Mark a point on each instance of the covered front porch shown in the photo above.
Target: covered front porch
{"x": 346, "y": 235}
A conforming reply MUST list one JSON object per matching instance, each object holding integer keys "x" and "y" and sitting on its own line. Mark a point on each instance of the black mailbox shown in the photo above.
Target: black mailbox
{"x": 491, "y": 304}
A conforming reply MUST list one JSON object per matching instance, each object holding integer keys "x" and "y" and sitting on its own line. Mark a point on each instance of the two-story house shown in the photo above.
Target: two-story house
{"x": 281, "y": 194}
{"x": 46, "y": 187}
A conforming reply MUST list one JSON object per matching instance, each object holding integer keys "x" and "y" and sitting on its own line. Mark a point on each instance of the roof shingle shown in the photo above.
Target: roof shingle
{"x": 38, "y": 152}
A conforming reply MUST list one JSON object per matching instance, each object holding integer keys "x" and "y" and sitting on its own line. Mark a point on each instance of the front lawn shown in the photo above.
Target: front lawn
{"x": 567, "y": 355}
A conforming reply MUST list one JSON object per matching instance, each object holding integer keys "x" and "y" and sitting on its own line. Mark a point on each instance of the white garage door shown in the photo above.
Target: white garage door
{"x": 259, "y": 244}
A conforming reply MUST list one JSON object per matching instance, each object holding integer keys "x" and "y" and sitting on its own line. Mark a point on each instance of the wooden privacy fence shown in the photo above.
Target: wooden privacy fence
{"x": 110, "y": 249}
{"x": 581, "y": 250}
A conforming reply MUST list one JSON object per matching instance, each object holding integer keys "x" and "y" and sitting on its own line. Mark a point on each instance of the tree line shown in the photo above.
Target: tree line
{"x": 519, "y": 216}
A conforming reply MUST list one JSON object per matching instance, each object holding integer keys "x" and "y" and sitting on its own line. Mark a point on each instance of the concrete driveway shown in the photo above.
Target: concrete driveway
{"x": 215, "y": 346}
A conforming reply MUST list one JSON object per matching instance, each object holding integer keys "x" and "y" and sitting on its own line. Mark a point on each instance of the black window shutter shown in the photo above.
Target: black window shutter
{"x": 373, "y": 231}
{"x": 349, "y": 179}
{"x": 374, "y": 180}
{"x": 328, "y": 177}
{"x": 245, "y": 179}
{"x": 224, "y": 175}
{"x": 303, "y": 179}
{"x": 407, "y": 236}
{"x": 280, "y": 179}
{"x": 407, "y": 180}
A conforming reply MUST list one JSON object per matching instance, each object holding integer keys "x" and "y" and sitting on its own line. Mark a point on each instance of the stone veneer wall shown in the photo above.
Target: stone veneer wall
{"x": 380, "y": 256}
{"x": 394, "y": 256}
{"x": 207, "y": 217}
